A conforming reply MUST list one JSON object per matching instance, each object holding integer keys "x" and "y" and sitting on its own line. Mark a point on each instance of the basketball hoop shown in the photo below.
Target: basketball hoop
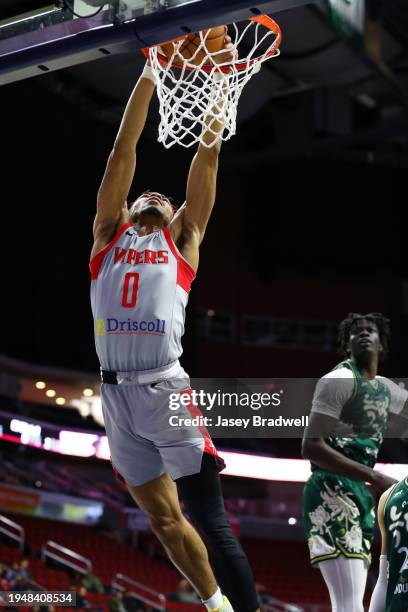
{"x": 192, "y": 96}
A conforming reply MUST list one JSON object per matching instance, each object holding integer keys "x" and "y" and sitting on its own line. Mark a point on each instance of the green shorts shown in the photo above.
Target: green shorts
{"x": 338, "y": 517}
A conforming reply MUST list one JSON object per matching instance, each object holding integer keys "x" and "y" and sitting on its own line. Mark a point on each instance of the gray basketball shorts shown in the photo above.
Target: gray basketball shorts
{"x": 144, "y": 441}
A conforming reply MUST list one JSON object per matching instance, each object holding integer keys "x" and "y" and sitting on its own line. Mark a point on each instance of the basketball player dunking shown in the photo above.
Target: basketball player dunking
{"x": 142, "y": 264}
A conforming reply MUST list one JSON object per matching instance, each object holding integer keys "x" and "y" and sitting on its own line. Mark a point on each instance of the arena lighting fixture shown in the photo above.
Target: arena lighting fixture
{"x": 87, "y": 392}
{"x": 60, "y": 401}
{"x": 292, "y": 520}
{"x": 40, "y": 384}
{"x": 258, "y": 467}
{"x": 50, "y": 393}
{"x": 265, "y": 468}
{"x": 366, "y": 100}
{"x": 287, "y": 470}
{"x": 27, "y": 19}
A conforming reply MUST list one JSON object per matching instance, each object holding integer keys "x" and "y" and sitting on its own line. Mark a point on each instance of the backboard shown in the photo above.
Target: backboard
{"x": 51, "y": 36}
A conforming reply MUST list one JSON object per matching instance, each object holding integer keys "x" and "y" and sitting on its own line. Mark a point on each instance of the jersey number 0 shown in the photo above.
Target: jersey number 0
{"x": 130, "y": 288}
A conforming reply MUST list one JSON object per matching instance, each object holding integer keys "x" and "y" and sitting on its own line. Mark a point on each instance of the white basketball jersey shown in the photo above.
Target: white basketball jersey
{"x": 139, "y": 292}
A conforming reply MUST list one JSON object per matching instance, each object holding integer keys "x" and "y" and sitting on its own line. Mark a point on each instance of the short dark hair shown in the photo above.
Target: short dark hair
{"x": 382, "y": 323}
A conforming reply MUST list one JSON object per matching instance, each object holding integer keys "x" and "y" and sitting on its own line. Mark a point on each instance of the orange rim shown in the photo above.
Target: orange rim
{"x": 264, "y": 20}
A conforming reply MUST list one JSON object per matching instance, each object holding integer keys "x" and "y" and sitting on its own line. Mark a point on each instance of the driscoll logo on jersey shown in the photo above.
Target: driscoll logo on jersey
{"x": 104, "y": 327}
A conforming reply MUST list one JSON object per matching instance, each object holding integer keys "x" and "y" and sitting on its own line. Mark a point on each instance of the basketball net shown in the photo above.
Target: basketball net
{"x": 194, "y": 97}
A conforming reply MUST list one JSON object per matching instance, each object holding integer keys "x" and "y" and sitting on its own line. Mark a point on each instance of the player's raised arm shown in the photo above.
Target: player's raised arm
{"x": 188, "y": 227}
{"x": 378, "y": 598}
{"x": 121, "y": 164}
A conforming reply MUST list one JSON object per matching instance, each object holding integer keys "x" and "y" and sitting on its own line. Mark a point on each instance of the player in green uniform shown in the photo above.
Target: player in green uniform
{"x": 391, "y": 591}
{"x": 349, "y": 415}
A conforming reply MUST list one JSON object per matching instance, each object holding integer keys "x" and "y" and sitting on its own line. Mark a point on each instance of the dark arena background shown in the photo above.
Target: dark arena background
{"x": 308, "y": 225}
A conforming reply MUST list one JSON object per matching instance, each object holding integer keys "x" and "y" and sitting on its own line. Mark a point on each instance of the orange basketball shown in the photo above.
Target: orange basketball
{"x": 214, "y": 41}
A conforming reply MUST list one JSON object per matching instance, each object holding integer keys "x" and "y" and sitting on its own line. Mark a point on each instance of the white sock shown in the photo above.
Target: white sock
{"x": 346, "y": 580}
{"x": 215, "y": 601}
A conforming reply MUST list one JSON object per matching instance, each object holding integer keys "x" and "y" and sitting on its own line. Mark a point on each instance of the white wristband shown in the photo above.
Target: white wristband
{"x": 148, "y": 74}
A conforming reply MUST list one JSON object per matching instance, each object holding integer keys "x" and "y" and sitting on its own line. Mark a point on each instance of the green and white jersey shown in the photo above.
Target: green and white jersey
{"x": 396, "y": 525}
{"x": 361, "y": 407}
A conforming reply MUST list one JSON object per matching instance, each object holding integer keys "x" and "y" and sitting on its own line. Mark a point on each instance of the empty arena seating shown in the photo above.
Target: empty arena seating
{"x": 282, "y": 567}
{"x": 107, "y": 554}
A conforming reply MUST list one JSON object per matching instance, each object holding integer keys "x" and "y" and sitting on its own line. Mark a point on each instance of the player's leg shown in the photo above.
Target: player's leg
{"x": 186, "y": 452}
{"x": 137, "y": 460}
{"x": 203, "y": 499}
{"x": 159, "y": 500}
{"x": 338, "y": 520}
{"x": 346, "y": 580}
{"x": 183, "y": 450}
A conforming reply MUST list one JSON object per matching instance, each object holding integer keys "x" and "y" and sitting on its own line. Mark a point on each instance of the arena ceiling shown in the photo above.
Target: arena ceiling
{"x": 314, "y": 58}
